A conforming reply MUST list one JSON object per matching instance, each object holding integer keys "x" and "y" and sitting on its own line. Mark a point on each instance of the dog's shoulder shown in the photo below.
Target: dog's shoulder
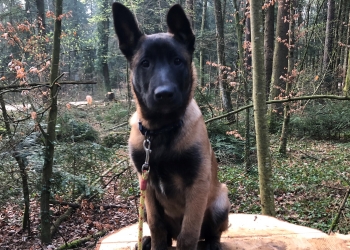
{"x": 194, "y": 130}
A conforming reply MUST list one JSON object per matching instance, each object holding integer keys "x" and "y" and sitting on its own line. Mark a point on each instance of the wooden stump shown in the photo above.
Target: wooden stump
{"x": 247, "y": 232}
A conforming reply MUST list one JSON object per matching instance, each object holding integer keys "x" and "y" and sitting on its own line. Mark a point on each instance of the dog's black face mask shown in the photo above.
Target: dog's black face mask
{"x": 160, "y": 63}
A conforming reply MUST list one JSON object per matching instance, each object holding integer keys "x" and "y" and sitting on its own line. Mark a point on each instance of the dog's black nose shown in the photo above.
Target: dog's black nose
{"x": 164, "y": 93}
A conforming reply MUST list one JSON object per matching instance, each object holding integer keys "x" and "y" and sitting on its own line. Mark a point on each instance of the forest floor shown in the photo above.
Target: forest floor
{"x": 110, "y": 213}
{"x": 309, "y": 185}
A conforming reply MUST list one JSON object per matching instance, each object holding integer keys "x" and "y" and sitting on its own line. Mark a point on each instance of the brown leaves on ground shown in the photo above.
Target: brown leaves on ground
{"x": 89, "y": 219}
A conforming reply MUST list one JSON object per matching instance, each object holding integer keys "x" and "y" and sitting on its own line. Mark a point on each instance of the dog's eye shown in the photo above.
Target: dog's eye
{"x": 177, "y": 61}
{"x": 145, "y": 63}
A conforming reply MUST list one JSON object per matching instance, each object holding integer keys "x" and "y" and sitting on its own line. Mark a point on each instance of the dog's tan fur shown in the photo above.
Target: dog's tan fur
{"x": 205, "y": 189}
{"x": 184, "y": 209}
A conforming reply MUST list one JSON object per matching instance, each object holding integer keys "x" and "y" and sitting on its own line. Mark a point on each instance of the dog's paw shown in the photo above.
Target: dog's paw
{"x": 212, "y": 245}
{"x": 146, "y": 243}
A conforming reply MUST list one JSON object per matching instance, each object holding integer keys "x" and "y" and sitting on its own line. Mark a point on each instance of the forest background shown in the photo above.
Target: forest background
{"x": 65, "y": 101}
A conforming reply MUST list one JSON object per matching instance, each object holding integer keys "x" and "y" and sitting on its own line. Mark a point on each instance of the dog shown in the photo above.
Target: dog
{"x": 184, "y": 199}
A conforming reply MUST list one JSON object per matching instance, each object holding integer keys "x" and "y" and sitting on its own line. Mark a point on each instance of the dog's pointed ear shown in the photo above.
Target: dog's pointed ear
{"x": 179, "y": 25}
{"x": 126, "y": 28}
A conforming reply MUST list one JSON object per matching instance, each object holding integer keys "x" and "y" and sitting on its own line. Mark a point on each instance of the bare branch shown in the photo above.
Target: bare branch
{"x": 44, "y": 84}
{"x": 291, "y": 99}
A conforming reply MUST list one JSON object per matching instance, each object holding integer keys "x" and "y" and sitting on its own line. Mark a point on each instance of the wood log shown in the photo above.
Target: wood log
{"x": 246, "y": 231}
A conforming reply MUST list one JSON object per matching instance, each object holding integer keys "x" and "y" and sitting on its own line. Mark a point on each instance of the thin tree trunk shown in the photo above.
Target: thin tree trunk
{"x": 279, "y": 64}
{"x": 40, "y": 5}
{"x": 328, "y": 44}
{"x": 24, "y": 175}
{"x": 223, "y": 87}
{"x": 22, "y": 168}
{"x": 347, "y": 79}
{"x": 5, "y": 116}
{"x": 346, "y": 39}
{"x": 50, "y": 135}
{"x": 247, "y": 40}
{"x": 286, "y": 113}
{"x": 247, "y": 74}
{"x": 259, "y": 102}
{"x": 239, "y": 31}
{"x": 338, "y": 34}
{"x": 102, "y": 52}
{"x": 190, "y": 11}
{"x": 268, "y": 42}
{"x": 201, "y": 46}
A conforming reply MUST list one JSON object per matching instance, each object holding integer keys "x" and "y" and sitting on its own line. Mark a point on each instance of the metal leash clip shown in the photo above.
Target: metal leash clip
{"x": 147, "y": 148}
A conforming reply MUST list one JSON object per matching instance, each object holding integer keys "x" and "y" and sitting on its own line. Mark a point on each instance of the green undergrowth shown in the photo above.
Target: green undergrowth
{"x": 309, "y": 184}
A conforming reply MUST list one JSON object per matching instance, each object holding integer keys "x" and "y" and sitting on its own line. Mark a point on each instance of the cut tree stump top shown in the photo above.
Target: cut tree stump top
{"x": 246, "y": 232}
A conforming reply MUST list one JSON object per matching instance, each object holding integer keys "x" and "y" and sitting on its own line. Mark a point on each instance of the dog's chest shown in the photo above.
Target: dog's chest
{"x": 170, "y": 171}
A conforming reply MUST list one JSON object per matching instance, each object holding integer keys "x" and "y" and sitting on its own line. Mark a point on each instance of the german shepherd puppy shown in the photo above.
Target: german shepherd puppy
{"x": 184, "y": 199}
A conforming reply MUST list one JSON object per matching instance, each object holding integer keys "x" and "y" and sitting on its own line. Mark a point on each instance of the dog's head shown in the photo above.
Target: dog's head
{"x": 161, "y": 64}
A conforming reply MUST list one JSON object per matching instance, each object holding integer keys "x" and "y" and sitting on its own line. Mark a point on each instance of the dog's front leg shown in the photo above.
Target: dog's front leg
{"x": 196, "y": 201}
{"x": 156, "y": 221}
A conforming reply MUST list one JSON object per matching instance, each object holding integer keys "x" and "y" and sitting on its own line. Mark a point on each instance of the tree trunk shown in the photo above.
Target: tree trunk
{"x": 190, "y": 11}
{"x": 286, "y": 112}
{"x": 339, "y": 28}
{"x": 102, "y": 52}
{"x": 347, "y": 79}
{"x": 279, "y": 64}
{"x": 223, "y": 87}
{"x": 40, "y": 5}
{"x": 24, "y": 175}
{"x": 50, "y": 135}
{"x": 328, "y": 44}
{"x": 239, "y": 30}
{"x": 247, "y": 96}
{"x": 345, "y": 37}
{"x": 201, "y": 44}
{"x": 22, "y": 168}
{"x": 247, "y": 40}
{"x": 5, "y": 116}
{"x": 268, "y": 42}
{"x": 259, "y": 102}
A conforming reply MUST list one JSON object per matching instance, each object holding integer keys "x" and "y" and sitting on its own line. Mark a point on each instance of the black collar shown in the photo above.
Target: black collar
{"x": 166, "y": 128}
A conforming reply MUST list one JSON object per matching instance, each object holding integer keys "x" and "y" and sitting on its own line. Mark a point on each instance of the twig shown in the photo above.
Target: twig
{"x": 76, "y": 243}
{"x": 64, "y": 203}
{"x": 337, "y": 188}
{"x": 312, "y": 157}
{"x": 44, "y": 84}
{"x": 76, "y": 205}
{"x": 114, "y": 176}
{"x": 336, "y": 219}
{"x": 118, "y": 126}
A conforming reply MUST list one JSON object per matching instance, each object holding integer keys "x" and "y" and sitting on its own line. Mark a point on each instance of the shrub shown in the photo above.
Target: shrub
{"x": 70, "y": 129}
{"x": 322, "y": 120}
{"x": 114, "y": 140}
{"x": 116, "y": 113}
{"x": 227, "y": 147}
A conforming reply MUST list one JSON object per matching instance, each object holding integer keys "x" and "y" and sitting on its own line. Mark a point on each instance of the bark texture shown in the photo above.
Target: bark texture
{"x": 280, "y": 64}
{"x": 289, "y": 81}
{"x": 223, "y": 86}
{"x": 268, "y": 42}
{"x": 102, "y": 52}
{"x": 50, "y": 135}
{"x": 201, "y": 45}
{"x": 259, "y": 102}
